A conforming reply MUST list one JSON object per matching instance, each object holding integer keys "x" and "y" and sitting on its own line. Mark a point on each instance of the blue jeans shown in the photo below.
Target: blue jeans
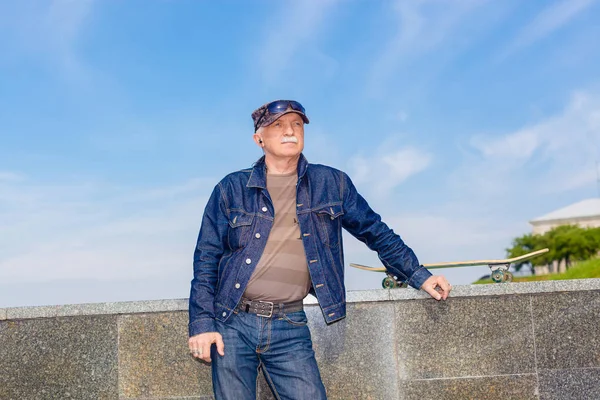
{"x": 280, "y": 345}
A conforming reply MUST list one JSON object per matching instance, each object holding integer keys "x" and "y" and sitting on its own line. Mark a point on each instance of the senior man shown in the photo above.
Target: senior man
{"x": 270, "y": 235}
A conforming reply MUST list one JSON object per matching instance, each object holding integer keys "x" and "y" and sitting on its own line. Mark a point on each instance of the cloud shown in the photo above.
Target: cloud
{"x": 10, "y": 176}
{"x": 422, "y": 26}
{"x": 65, "y": 19}
{"x": 562, "y": 149}
{"x": 293, "y": 29}
{"x": 388, "y": 167}
{"x": 546, "y": 22}
{"x": 321, "y": 148}
{"x": 519, "y": 145}
{"x": 49, "y": 30}
{"x": 404, "y": 163}
{"x": 98, "y": 232}
{"x": 402, "y": 116}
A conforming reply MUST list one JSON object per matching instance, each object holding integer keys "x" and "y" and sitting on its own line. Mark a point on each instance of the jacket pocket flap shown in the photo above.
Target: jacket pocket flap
{"x": 333, "y": 210}
{"x": 240, "y": 218}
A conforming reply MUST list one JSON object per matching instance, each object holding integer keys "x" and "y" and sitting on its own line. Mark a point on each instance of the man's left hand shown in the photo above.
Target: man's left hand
{"x": 437, "y": 286}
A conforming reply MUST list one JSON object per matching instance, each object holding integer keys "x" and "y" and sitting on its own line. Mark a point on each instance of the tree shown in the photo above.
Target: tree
{"x": 566, "y": 242}
{"x": 526, "y": 244}
{"x": 573, "y": 243}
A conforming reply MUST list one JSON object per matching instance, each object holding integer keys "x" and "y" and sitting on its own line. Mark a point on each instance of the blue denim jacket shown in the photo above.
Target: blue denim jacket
{"x": 236, "y": 224}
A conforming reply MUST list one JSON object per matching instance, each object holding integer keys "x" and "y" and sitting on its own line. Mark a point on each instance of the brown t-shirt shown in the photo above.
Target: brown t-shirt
{"x": 281, "y": 275}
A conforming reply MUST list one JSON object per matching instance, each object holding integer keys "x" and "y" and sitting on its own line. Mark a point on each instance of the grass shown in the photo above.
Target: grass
{"x": 581, "y": 270}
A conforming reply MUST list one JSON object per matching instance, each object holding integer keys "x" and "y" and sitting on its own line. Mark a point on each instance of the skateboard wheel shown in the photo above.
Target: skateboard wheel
{"x": 388, "y": 283}
{"x": 508, "y": 277}
{"x": 498, "y": 276}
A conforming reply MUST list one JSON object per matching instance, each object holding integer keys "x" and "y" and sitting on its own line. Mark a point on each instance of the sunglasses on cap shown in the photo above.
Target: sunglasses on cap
{"x": 277, "y": 107}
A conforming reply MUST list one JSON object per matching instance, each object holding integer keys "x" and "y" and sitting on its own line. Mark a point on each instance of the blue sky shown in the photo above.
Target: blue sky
{"x": 458, "y": 120}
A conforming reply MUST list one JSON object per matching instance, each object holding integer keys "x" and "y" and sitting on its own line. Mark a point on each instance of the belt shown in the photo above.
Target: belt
{"x": 268, "y": 308}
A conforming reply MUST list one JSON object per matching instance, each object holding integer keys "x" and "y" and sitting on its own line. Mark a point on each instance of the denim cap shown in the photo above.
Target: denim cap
{"x": 269, "y": 118}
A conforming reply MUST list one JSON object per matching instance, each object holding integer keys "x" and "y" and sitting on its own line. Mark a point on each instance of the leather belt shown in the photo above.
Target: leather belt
{"x": 268, "y": 308}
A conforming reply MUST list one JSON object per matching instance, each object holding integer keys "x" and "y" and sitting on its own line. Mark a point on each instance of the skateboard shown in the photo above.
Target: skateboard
{"x": 499, "y": 268}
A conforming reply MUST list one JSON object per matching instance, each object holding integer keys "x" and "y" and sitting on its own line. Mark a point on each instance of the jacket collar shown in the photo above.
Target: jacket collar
{"x": 258, "y": 177}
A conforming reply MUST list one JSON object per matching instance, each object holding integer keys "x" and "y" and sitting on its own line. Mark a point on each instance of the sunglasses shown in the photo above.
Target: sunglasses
{"x": 278, "y": 107}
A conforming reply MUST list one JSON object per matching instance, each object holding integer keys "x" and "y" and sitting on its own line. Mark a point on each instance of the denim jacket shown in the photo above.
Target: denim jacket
{"x": 236, "y": 224}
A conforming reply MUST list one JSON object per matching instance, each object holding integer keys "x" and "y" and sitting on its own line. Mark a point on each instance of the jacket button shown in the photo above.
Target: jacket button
{"x": 224, "y": 314}
{"x": 264, "y": 209}
{"x": 248, "y": 261}
{"x": 257, "y": 236}
{"x": 237, "y": 285}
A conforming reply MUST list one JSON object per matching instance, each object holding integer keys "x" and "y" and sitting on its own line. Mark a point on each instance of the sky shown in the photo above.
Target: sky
{"x": 459, "y": 121}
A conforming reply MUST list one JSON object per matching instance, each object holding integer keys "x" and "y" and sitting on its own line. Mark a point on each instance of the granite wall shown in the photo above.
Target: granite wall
{"x": 504, "y": 341}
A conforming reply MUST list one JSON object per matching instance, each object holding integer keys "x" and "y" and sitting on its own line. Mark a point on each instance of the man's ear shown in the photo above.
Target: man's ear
{"x": 258, "y": 139}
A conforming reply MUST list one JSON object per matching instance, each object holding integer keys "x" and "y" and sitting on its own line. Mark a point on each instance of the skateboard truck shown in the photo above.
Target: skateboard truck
{"x": 500, "y": 273}
{"x": 391, "y": 281}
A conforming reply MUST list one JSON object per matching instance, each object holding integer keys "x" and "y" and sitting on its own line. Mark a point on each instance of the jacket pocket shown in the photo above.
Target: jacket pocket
{"x": 240, "y": 227}
{"x": 329, "y": 223}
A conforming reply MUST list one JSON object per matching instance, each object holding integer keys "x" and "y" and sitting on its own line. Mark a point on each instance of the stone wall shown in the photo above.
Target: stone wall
{"x": 534, "y": 340}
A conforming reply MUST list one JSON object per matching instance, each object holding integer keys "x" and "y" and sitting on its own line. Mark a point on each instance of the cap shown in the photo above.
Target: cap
{"x": 268, "y": 113}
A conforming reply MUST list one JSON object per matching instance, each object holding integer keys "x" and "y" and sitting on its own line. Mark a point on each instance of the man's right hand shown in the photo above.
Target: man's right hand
{"x": 200, "y": 345}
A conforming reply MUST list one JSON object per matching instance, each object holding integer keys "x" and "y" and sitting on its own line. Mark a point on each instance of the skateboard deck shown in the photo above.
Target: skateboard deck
{"x": 499, "y": 267}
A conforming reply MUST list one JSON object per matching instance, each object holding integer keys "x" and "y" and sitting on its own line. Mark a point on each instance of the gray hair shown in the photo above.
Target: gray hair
{"x": 259, "y": 131}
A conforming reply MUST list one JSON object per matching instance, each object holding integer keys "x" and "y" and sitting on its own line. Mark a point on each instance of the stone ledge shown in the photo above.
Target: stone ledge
{"x": 70, "y": 310}
{"x": 499, "y": 289}
{"x": 358, "y": 296}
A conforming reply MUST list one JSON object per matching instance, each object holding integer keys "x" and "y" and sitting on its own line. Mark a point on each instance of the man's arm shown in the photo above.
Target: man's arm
{"x": 207, "y": 254}
{"x": 366, "y": 225}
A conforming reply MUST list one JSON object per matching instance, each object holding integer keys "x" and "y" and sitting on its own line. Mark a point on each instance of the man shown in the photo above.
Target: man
{"x": 269, "y": 236}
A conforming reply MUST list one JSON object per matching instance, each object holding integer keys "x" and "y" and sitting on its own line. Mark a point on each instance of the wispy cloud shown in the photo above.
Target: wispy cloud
{"x": 63, "y": 22}
{"x": 422, "y": 26}
{"x": 292, "y": 30}
{"x": 388, "y": 167}
{"x": 517, "y": 146}
{"x": 547, "y": 21}
{"x": 564, "y": 147}
{"x": 49, "y": 30}
{"x": 10, "y": 176}
{"x": 402, "y": 116}
{"x": 99, "y": 232}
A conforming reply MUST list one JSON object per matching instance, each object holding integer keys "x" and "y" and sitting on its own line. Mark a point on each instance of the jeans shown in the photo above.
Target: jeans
{"x": 281, "y": 346}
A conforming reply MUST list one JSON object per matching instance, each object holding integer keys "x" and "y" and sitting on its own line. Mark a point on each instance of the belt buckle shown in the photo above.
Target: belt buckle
{"x": 270, "y": 314}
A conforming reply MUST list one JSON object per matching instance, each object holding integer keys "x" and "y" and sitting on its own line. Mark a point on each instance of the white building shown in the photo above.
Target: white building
{"x": 585, "y": 213}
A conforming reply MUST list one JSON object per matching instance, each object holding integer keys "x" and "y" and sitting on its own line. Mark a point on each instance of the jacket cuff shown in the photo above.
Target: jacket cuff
{"x": 419, "y": 277}
{"x": 202, "y": 326}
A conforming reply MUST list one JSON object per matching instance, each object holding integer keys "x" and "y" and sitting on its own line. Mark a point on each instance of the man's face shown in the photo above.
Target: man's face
{"x": 284, "y": 138}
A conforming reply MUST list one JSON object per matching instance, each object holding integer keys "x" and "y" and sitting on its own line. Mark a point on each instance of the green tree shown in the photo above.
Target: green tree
{"x": 572, "y": 243}
{"x": 566, "y": 242}
{"x": 526, "y": 244}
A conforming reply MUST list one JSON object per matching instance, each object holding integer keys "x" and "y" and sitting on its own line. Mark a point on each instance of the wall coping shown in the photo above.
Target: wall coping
{"x": 358, "y": 296}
